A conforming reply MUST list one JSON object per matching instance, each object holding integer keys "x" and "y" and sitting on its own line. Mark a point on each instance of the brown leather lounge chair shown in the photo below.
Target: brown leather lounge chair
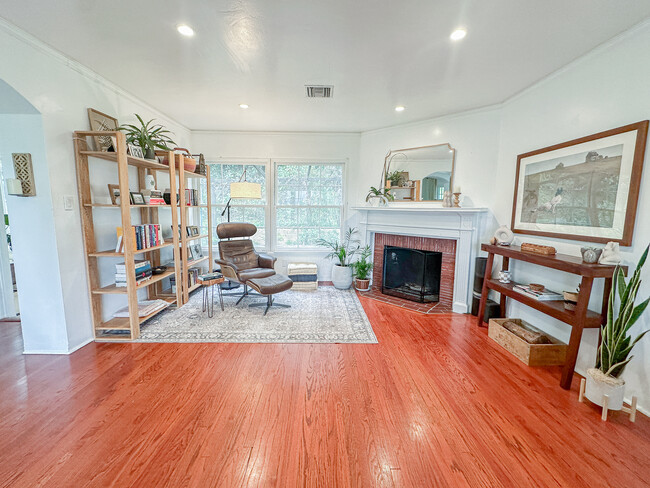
{"x": 240, "y": 262}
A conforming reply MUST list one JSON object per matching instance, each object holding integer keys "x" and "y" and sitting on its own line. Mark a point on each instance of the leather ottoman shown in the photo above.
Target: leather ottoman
{"x": 269, "y": 286}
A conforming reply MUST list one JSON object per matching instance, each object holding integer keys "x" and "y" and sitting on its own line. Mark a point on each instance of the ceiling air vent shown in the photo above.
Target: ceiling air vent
{"x": 319, "y": 91}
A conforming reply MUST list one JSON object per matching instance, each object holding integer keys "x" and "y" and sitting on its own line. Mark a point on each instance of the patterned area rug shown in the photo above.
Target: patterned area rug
{"x": 326, "y": 315}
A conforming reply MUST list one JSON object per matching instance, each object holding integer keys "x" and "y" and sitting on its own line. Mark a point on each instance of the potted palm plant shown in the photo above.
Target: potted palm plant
{"x": 362, "y": 269}
{"x": 148, "y": 136}
{"x": 343, "y": 252}
{"x": 616, "y": 345}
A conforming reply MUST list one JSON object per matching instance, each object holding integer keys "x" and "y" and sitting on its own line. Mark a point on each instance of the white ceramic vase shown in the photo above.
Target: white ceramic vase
{"x": 342, "y": 276}
{"x": 598, "y": 385}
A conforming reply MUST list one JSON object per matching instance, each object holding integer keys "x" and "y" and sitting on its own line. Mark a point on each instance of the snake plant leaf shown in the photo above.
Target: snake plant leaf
{"x": 618, "y": 277}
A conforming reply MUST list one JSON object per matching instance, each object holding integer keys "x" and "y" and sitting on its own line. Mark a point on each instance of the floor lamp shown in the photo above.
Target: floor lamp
{"x": 241, "y": 189}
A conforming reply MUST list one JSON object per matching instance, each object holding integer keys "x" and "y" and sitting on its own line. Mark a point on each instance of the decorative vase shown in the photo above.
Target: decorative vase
{"x": 504, "y": 236}
{"x": 590, "y": 255}
{"x": 599, "y": 384}
{"x": 362, "y": 285}
{"x": 190, "y": 164}
{"x": 341, "y": 276}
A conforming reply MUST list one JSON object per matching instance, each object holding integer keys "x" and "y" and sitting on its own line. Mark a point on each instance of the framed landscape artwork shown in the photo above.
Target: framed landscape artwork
{"x": 101, "y": 122}
{"x": 586, "y": 189}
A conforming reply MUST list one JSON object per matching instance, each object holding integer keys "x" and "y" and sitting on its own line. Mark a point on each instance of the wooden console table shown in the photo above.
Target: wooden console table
{"x": 579, "y": 318}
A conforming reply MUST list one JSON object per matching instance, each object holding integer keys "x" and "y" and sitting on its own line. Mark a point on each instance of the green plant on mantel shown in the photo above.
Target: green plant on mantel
{"x": 148, "y": 136}
{"x": 385, "y": 193}
{"x": 395, "y": 177}
{"x": 616, "y": 344}
{"x": 362, "y": 266}
{"x": 343, "y": 251}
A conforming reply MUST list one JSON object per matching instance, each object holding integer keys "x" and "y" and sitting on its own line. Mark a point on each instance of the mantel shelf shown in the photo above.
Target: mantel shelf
{"x": 421, "y": 209}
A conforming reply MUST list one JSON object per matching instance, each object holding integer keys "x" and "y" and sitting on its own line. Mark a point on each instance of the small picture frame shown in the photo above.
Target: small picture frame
{"x": 102, "y": 122}
{"x": 190, "y": 256}
{"x": 135, "y": 151}
{"x": 197, "y": 252}
{"x": 114, "y": 192}
{"x": 195, "y": 230}
{"x": 137, "y": 198}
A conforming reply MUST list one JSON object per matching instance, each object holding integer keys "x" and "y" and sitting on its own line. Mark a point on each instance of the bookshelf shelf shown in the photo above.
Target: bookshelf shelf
{"x": 194, "y": 238}
{"x": 99, "y": 254}
{"x": 196, "y": 262}
{"x": 112, "y": 289}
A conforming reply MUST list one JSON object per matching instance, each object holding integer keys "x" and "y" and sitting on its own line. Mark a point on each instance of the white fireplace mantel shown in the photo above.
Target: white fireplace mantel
{"x": 464, "y": 225}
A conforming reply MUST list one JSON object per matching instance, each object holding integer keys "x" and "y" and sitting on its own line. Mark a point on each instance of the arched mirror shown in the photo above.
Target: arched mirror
{"x": 419, "y": 174}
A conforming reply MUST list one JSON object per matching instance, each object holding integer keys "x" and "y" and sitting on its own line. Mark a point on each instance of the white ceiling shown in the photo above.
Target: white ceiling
{"x": 377, "y": 53}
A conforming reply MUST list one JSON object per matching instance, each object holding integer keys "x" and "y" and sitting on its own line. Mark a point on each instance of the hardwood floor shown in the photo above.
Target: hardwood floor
{"x": 434, "y": 404}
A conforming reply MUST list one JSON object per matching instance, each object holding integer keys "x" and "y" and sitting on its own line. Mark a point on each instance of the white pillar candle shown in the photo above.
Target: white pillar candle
{"x": 457, "y": 189}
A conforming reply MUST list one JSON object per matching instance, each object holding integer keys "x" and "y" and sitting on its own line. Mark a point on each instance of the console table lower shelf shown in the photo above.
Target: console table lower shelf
{"x": 579, "y": 318}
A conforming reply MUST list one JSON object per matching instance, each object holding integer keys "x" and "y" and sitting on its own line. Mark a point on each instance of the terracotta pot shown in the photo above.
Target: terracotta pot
{"x": 361, "y": 285}
{"x": 190, "y": 164}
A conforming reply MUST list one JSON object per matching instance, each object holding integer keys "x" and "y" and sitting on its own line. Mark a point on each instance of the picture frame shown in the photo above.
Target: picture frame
{"x": 137, "y": 198}
{"x": 586, "y": 189}
{"x": 197, "y": 252}
{"x": 135, "y": 151}
{"x": 190, "y": 256}
{"x": 114, "y": 192}
{"x": 195, "y": 230}
{"x": 100, "y": 121}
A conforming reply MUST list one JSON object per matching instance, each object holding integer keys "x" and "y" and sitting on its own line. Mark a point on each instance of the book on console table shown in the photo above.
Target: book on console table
{"x": 545, "y": 295}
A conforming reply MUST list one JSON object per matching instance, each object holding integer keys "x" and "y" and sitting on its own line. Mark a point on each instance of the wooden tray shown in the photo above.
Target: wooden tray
{"x": 531, "y": 354}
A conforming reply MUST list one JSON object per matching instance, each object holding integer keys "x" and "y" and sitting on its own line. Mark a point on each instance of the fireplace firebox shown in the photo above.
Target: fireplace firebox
{"x": 412, "y": 274}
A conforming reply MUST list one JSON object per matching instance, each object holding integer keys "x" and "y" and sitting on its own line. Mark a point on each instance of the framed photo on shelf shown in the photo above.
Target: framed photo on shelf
{"x": 197, "y": 252}
{"x": 137, "y": 198}
{"x": 114, "y": 192}
{"x": 190, "y": 256}
{"x": 135, "y": 151}
{"x": 102, "y": 122}
{"x": 195, "y": 230}
{"x": 586, "y": 189}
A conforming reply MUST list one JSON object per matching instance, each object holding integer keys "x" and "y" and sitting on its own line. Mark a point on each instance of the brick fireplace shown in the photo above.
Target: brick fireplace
{"x": 445, "y": 246}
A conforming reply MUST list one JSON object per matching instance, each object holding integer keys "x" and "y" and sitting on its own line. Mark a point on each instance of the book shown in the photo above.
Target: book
{"x": 545, "y": 295}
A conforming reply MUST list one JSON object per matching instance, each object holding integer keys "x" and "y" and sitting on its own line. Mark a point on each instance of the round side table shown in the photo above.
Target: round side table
{"x": 208, "y": 281}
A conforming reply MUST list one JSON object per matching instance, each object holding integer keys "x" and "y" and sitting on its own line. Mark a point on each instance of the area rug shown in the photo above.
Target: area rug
{"x": 326, "y": 315}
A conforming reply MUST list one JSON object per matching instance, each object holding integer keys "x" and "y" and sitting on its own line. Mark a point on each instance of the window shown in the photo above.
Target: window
{"x": 253, "y": 211}
{"x": 308, "y": 203}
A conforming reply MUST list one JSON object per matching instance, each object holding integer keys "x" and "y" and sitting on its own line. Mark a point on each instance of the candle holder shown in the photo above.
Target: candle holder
{"x": 457, "y": 199}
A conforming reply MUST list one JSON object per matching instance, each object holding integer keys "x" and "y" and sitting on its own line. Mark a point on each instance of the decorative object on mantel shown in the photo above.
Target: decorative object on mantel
{"x": 538, "y": 249}
{"x": 343, "y": 252}
{"x": 590, "y": 255}
{"x": 148, "y": 136}
{"x": 24, "y": 173}
{"x": 604, "y": 385}
{"x": 447, "y": 200}
{"x": 377, "y": 197}
{"x": 457, "y": 199}
{"x": 530, "y": 345}
{"x": 611, "y": 254}
{"x": 362, "y": 268}
{"x": 586, "y": 189}
{"x": 504, "y": 236}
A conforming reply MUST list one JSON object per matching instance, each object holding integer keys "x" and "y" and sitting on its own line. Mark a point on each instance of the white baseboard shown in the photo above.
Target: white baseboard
{"x": 460, "y": 307}
{"x": 59, "y": 351}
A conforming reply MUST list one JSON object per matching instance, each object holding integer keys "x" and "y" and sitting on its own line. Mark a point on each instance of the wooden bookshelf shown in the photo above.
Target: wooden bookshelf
{"x": 127, "y": 328}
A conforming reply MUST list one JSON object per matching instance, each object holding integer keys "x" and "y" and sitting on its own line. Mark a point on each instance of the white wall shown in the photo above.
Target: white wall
{"x": 61, "y": 90}
{"x": 607, "y": 88}
{"x": 310, "y": 146}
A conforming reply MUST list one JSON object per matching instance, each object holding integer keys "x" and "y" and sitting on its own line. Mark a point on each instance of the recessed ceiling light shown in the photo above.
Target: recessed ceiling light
{"x": 399, "y": 108}
{"x": 458, "y": 34}
{"x": 243, "y": 105}
{"x": 185, "y": 30}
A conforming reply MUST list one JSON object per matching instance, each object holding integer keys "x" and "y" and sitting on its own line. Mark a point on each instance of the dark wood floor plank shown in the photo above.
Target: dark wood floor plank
{"x": 435, "y": 403}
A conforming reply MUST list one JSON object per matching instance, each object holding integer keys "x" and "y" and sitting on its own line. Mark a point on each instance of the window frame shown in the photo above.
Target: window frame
{"x": 274, "y": 205}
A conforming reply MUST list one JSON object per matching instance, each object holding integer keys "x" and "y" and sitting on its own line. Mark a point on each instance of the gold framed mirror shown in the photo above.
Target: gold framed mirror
{"x": 419, "y": 174}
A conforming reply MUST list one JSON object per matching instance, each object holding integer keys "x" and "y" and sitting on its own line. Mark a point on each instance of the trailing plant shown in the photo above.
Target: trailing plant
{"x": 148, "y": 136}
{"x": 395, "y": 177}
{"x": 616, "y": 345}
{"x": 385, "y": 194}
{"x": 343, "y": 251}
{"x": 362, "y": 266}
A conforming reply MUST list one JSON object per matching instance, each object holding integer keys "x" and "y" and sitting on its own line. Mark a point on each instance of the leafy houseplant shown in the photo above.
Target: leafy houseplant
{"x": 362, "y": 268}
{"x": 616, "y": 345}
{"x": 148, "y": 136}
{"x": 343, "y": 252}
{"x": 395, "y": 178}
{"x": 379, "y": 197}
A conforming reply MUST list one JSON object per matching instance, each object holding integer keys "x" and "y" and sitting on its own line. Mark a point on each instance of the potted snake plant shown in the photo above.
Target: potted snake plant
{"x": 616, "y": 344}
{"x": 362, "y": 268}
{"x": 343, "y": 252}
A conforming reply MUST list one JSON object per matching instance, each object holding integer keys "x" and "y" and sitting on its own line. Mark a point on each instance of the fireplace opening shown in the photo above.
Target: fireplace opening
{"x": 412, "y": 274}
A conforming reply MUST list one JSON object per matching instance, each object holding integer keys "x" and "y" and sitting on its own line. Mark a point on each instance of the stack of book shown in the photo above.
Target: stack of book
{"x": 145, "y": 307}
{"x": 156, "y": 198}
{"x": 537, "y": 295}
{"x": 144, "y": 236}
{"x": 192, "y": 276}
{"x": 191, "y": 197}
{"x": 143, "y": 272}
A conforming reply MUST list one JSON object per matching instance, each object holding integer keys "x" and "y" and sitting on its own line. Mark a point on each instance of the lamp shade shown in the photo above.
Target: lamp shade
{"x": 245, "y": 189}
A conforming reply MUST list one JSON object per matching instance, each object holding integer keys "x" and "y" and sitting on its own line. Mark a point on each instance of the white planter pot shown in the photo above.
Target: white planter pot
{"x": 598, "y": 385}
{"x": 342, "y": 276}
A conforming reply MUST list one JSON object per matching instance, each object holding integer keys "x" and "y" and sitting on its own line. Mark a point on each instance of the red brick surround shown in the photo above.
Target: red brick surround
{"x": 448, "y": 249}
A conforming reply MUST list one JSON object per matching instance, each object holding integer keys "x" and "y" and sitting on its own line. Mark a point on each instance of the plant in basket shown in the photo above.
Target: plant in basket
{"x": 362, "y": 268}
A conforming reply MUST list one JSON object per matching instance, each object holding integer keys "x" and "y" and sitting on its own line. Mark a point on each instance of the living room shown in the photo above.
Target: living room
{"x": 345, "y": 387}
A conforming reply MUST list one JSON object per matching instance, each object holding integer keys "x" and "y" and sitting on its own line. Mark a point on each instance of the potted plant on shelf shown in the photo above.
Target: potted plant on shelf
{"x": 379, "y": 197}
{"x": 616, "y": 344}
{"x": 395, "y": 178}
{"x": 362, "y": 268}
{"x": 148, "y": 136}
{"x": 343, "y": 252}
